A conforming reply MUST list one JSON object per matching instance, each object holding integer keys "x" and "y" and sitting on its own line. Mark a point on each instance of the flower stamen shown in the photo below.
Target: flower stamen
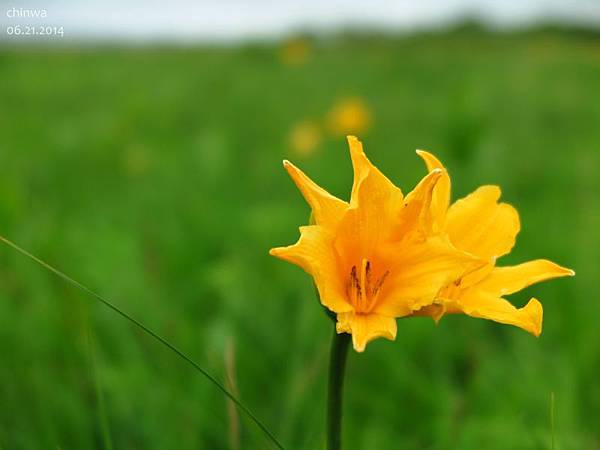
{"x": 361, "y": 290}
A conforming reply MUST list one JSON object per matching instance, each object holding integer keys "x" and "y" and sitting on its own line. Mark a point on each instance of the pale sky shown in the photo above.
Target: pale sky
{"x": 226, "y": 20}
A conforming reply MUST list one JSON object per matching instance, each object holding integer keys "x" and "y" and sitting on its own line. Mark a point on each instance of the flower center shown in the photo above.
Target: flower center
{"x": 362, "y": 289}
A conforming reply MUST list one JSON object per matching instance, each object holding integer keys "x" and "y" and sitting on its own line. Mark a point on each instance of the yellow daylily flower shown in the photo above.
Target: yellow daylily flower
{"x": 372, "y": 258}
{"x": 479, "y": 225}
{"x": 349, "y": 115}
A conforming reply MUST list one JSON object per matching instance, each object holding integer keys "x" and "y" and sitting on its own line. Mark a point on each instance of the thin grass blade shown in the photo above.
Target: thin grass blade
{"x": 151, "y": 333}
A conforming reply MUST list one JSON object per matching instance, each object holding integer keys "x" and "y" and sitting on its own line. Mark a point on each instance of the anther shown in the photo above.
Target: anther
{"x": 380, "y": 283}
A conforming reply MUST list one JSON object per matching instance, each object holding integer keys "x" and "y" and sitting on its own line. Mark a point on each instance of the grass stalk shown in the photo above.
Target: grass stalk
{"x": 241, "y": 407}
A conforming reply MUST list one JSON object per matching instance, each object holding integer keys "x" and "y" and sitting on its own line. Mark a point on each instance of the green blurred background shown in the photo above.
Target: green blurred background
{"x": 154, "y": 176}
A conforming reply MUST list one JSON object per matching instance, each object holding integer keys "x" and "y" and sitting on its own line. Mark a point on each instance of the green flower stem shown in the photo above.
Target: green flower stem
{"x": 337, "y": 367}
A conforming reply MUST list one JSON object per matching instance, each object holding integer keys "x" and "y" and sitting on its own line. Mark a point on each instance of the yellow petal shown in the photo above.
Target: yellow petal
{"x": 327, "y": 209}
{"x": 479, "y": 225}
{"x": 478, "y": 303}
{"x": 366, "y": 327}
{"x": 417, "y": 273}
{"x": 484, "y": 300}
{"x": 441, "y": 193}
{"x": 374, "y": 206}
{"x": 370, "y": 185}
{"x": 315, "y": 254}
{"x": 506, "y": 280}
{"x": 436, "y": 311}
{"x": 431, "y": 161}
{"x": 468, "y": 280}
{"x": 416, "y": 214}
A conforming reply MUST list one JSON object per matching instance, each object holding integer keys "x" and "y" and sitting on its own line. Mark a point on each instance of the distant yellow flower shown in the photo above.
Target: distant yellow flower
{"x": 479, "y": 225}
{"x": 350, "y": 116}
{"x": 305, "y": 137}
{"x": 295, "y": 52}
{"x": 372, "y": 259}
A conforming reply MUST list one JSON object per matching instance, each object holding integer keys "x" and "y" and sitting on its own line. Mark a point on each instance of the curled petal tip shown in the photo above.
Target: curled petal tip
{"x": 536, "y": 313}
{"x": 559, "y": 270}
{"x": 358, "y": 348}
{"x": 289, "y": 167}
{"x": 430, "y": 160}
{"x": 433, "y": 177}
{"x": 356, "y": 147}
{"x": 355, "y": 144}
{"x": 277, "y": 251}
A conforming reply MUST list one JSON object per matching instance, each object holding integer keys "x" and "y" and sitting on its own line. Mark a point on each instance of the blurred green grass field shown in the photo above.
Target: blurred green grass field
{"x": 154, "y": 176}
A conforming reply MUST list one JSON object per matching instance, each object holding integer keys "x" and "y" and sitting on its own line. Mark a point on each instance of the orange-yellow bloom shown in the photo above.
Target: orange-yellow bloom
{"x": 372, "y": 258}
{"x": 480, "y": 226}
{"x": 349, "y": 116}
